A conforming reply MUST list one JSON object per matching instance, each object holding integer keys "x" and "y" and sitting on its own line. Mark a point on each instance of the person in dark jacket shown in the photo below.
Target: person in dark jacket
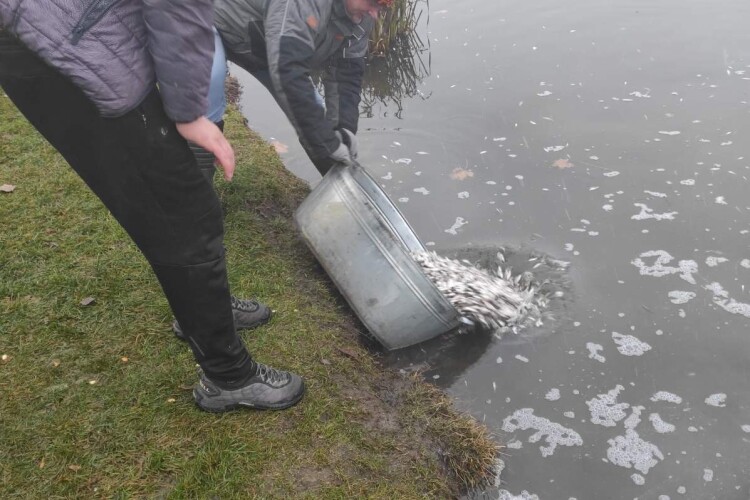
{"x": 281, "y": 42}
{"x": 85, "y": 75}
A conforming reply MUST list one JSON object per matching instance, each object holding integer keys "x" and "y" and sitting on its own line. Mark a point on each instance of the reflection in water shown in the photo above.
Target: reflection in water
{"x": 396, "y": 75}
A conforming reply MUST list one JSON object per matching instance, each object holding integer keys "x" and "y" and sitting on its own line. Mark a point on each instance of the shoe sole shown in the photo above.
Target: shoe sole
{"x": 222, "y": 409}
{"x": 181, "y": 336}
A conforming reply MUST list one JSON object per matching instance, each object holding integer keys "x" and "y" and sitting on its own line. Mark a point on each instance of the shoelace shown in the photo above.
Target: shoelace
{"x": 244, "y": 305}
{"x": 271, "y": 375}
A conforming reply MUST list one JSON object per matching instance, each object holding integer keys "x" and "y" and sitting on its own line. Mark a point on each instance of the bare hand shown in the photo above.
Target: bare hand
{"x": 206, "y": 134}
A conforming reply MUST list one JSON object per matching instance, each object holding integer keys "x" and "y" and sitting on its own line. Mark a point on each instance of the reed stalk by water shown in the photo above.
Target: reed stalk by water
{"x": 398, "y": 20}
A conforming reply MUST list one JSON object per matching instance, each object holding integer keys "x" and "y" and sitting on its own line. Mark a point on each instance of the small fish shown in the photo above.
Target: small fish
{"x": 494, "y": 300}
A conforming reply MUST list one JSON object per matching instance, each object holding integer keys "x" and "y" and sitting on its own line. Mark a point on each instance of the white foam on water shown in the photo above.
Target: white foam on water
{"x": 552, "y": 395}
{"x": 405, "y": 161}
{"x": 522, "y": 358}
{"x": 463, "y": 195}
{"x": 656, "y": 194}
{"x": 607, "y": 208}
{"x": 669, "y": 132}
{"x": 720, "y": 200}
{"x": 460, "y": 222}
{"x": 634, "y": 418}
{"x": 525, "y": 495}
{"x": 571, "y": 414}
{"x": 648, "y": 213}
{"x": 514, "y": 444}
{"x": 498, "y": 469}
{"x": 630, "y": 451}
{"x": 638, "y": 479}
{"x": 605, "y": 410}
{"x": 681, "y": 490}
{"x": 666, "y": 396}
{"x": 722, "y": 299}
{"x": 421, "y": 190}
{"x": 688, "y": 182}
{"x": 685, "y": 268}
{"x": 387, "y": 176}
{"x": 594, "y": 351}
{"x": 746, "y": 428}
{"x": 660, "y": 425}
{"x": 713, "y": 261}
{"x": 717, "y": 290}
{"x": 708, "y": 475}
{"x": 554, "y": 149}
{"x": 680, "y": 297}
{"x": 612, "y": 173}
{"x": 629, "y": 345}
{"x": 553, "y": 433}
{"x": 403, "y": 200}
{"x": 664, "y": 497}
{"x": 719, "y": 400}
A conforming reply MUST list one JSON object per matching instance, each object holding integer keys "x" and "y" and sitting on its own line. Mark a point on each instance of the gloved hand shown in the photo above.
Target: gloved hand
{"x": 342, "y": 155}
{"x": 347, "y": 137}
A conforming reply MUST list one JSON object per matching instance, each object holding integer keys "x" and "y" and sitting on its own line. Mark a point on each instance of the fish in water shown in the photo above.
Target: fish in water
{"x": 492, "y": 299}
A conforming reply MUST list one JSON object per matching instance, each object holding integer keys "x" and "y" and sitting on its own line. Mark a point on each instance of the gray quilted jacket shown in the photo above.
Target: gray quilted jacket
{"x": 116, "y": 50}
{"x": 291, "y": 38}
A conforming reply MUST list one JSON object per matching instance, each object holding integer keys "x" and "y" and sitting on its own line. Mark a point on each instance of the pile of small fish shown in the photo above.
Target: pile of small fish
{"x": 492, "y": 299}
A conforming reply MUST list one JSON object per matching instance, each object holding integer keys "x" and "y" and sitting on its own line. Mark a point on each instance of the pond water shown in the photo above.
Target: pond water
{"x": 613, "y": 136}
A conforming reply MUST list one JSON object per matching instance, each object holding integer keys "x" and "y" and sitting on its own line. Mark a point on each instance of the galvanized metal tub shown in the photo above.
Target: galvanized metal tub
{"x": 364, "y": 244}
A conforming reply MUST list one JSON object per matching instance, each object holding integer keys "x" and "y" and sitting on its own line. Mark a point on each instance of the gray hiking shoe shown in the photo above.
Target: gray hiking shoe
{"x": 268, "y": 389}
{"x": 247, "y": 314}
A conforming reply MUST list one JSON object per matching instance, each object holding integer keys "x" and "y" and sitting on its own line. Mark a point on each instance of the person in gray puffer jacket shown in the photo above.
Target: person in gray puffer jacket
{"x": 281, "y": 42}
{"x": 85, "y": 74}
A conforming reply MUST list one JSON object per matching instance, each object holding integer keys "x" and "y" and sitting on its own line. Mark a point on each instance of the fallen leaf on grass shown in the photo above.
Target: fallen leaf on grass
{"x": 460, "y": 174}
{"x": 74, "y": 468}
{"x": 171, "y": 400}
{"x": 325, "y": 361}
{"x": 88, "y": 301}
{"x": 41, "y": 463}
{"x": 55, "y": 363}
{"x": 279, "y": 147}
{"x": 124, "y": 359}
{"x": 562, "y": 163}
{"x": 5, "y": 358}
{"x": 348, "y": 352}
{"x": 184, "y": 387}
{"x": 7, "y": 188}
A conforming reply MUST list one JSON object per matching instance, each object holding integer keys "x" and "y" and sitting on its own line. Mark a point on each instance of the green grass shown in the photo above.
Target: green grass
{"x": 96, "y": 399}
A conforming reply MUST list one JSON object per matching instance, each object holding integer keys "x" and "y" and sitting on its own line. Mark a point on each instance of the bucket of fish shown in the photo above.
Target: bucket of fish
{"x": 366, "y": 247}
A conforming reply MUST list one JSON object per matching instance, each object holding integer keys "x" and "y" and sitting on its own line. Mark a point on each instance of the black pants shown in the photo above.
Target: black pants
{"x": 143, "y": 171}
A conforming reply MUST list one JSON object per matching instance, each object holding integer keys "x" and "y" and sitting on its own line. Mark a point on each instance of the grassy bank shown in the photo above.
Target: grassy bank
{"x": 96, "y": 398}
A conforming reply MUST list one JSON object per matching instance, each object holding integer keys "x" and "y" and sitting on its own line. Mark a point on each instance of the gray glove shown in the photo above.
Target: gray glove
{"x": 348, "y": 138}
{"x": 342, "y": 155}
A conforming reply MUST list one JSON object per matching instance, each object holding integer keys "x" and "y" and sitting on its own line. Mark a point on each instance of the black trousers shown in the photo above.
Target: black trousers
{"x": 144, "y": 173}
